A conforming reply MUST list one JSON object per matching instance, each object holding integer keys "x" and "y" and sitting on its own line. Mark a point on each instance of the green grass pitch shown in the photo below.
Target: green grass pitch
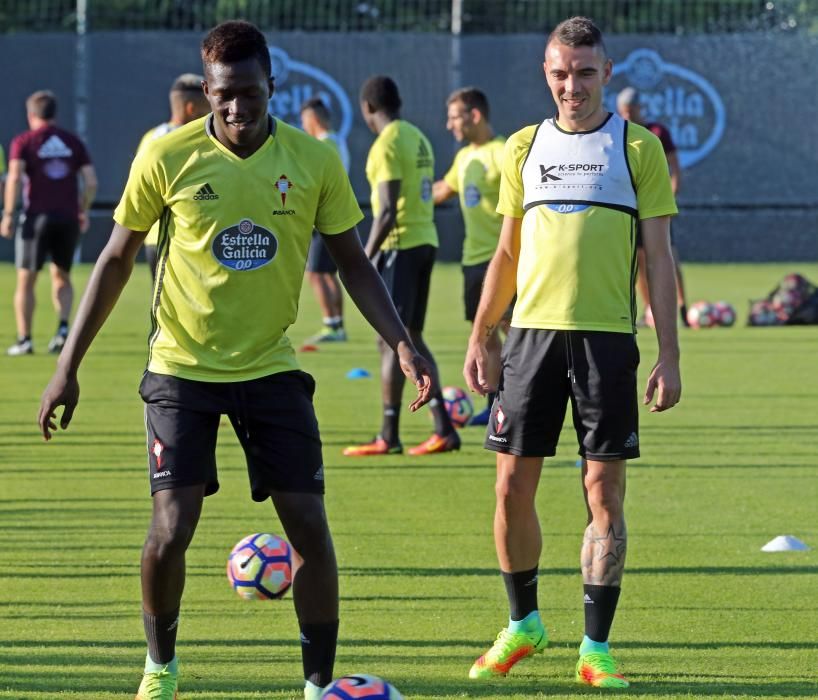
{"x": 704, "y": 613}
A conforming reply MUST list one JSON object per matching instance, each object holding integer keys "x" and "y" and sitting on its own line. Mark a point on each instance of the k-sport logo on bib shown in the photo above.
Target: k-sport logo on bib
{"x": 297, "y": 82}
{"x": 681, "y": 99}
{"x": 245, "y": 246}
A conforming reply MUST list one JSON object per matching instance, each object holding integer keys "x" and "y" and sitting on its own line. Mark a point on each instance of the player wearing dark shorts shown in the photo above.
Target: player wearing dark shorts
{"x": 55, "y": 210}
{"x": 402, "y": 243}
{"x": 474, "y": 177}
{"x": 229, "y": 276}
{"x": 322, "y": 272}
{"x": 573, "y": 189}
{"x": 628, "y": 106}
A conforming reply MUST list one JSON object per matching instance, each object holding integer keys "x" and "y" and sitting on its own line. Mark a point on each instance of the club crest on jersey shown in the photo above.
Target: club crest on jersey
{"x": 284, "y": 185}
{"x": 245, "y": 246}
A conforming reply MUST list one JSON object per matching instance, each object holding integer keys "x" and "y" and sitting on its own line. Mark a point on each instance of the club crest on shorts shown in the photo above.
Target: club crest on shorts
{"x": 245, "y": 246}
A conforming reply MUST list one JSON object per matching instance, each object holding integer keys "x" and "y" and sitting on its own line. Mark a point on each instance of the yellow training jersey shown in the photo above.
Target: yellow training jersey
{"x": 402, "y": 152}
{"x": 579, "y": 196}
{"x": 2, "y": 162}
{"x": 149, "y": 136}
{"x": 233, "y": 241}
{"x": 475, "y": 176}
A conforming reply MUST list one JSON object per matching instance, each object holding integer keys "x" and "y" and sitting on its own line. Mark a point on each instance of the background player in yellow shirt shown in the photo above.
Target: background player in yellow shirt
{"x": 238, "y": 194}
{"x": 475, "y": 178}
{"x": 322, "y": 272}
{"x": 402, "y": 243}
{"x": 187, "y": 103}
{"x": 573, "y": 190}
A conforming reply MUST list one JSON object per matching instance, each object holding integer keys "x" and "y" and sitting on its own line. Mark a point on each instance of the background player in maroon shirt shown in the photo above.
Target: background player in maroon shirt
{"x": 627, "y": 104}
{"x": 46, "y": 160}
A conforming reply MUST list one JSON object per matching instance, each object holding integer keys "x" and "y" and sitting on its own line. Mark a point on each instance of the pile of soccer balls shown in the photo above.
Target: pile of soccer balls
{"x": 703, "y": 314}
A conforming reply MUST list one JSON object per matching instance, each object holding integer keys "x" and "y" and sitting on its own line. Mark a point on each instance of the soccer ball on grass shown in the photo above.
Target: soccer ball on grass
{"x": 702, "y": 315}
{"x": 458, "y": 405}
{"x": 261, "y": 567}
{"x": 360, "y": 686}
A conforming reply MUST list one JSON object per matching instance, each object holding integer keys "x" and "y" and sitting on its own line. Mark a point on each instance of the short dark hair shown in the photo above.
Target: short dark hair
{"x": 42, "y": 104}
{"x": 472, "y": 98}
{"x": 233, "y": 41}
{"x": 319, "y": 108}
{"x": 187, "y": 82}
{"x": 381, "y": 93}
{"x": 578, "y": 31}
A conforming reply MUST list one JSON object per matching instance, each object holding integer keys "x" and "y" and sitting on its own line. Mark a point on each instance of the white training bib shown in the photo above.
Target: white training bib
{"x": 569, "y": 170}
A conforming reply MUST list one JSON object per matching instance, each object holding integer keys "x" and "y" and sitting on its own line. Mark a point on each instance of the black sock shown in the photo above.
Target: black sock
{"x": 62, "y": 329}
{"x": 600, "y": 608}
{"x": 160, "y": 631}
{"x": 389, "y": 426}
{"x": 443, "y": 424}
{"x": 318, "y": 642}
{"x": 23, "y": 338}
{"x": 521, "y": 588}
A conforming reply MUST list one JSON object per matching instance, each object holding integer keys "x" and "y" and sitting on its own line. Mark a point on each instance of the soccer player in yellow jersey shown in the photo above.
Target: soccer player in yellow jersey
{"x": 187, "y": 103}
{"x": 573, "y": 190}
{"x": 403, "y": 244}
{"x": 475, "y": 178}
{"x": 238, "y": 194}
{"x": 322, "y": 272}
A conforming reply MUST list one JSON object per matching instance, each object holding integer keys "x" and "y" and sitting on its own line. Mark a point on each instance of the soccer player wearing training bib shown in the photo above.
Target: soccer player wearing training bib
{"x": 574, "y": 189}
{"x": 475, "y": 177}
{"x": 237, "y": 194}
{"x": 402, "y": 243}
{"x": 187, "y": 103}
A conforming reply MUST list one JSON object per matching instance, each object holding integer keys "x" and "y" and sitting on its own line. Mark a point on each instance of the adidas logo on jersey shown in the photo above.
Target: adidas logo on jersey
{"x": 54, "y": 148}
{"x": 205, "y": 192}
{"x": 424, "y": 156}
{"x": 632, "y": 441}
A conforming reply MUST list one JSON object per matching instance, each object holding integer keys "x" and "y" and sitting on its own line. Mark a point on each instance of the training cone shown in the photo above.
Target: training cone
{"x": 357, "y": 373}
{"x": 785, "y": 543}
{"x": 308, "y": 348}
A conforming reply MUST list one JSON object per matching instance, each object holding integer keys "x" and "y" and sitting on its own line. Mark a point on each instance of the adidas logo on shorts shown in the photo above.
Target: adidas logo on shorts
{"x": 206, "y": 192}
{"x": 632, "y": 441}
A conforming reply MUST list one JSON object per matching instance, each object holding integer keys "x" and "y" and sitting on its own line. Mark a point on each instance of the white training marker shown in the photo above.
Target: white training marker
{"x": 785, "y": 543}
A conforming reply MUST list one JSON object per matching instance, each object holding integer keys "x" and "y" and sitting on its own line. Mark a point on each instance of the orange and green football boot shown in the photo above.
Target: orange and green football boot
{"x": 507, "y": 650}
{"x": 598, "y": 669}
{"x": 159, "y": 685}
{"x": 376, "y": 446}
{"x": 437, "y": 443}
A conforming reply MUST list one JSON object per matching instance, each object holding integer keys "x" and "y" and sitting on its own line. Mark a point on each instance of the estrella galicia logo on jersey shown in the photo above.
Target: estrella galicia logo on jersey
{"x": 297, "y": 82}
{"x": 681, "y": 99}
{"x": 245, "y": 246}
{"x": 546, "y": 174}
{"x": 471, "y": 196}
{"x": 205, "y": 192}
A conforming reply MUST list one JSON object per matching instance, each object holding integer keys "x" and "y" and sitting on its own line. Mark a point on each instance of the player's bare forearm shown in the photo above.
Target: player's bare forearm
{"x": 108, "y": 279}
{"x": 14, "y": 182}
{"x": 441, "y": 191}
{"x": 386, "y": 218}
{"x": 661, "y": 274}
{"x": 366, "y": 287}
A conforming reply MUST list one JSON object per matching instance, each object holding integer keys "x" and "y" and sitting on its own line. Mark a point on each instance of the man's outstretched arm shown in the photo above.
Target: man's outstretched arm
{"x": 111, "y": 273}
{"x": 367, "y": 290}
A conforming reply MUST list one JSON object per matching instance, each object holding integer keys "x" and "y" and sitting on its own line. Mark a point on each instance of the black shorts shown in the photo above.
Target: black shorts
{"x": 319, "y": 259}
{"x": 273, "y": 417}
{"x": 407, "y": 275}
{"x": 473, "y": 276}
{"x": 543, "y": 370}
{"x": 40, "y": 236}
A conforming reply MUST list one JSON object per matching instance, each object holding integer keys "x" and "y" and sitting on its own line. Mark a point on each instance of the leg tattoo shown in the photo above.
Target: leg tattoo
{"x": 603, "y": 554}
